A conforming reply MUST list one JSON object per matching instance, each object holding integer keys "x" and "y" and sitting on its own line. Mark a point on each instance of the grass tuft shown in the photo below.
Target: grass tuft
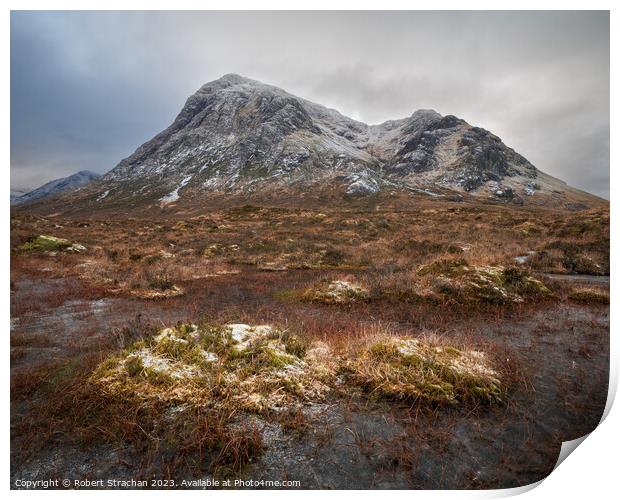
{"x": 589, "y": 296}
{"x": 424, "y": 373}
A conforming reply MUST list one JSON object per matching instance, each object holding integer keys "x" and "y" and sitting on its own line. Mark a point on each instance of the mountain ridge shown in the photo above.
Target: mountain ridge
{"x": 240, "y": 137}
{"x": 56, "y": 186}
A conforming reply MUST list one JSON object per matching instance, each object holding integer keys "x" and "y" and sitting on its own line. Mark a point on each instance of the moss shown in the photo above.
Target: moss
{"x": 45, "y": 243}
{"x": 450, "y": 268}
{"x": 520, "y": 282}
{"x": 256, "y": 368}
{"x": 134, "y": 366}
{"x": 215, "y": 338}
{"x": 493, "y": 284}
{"x": 157, "y": 377}
{"x": 295, "y": 345}
{"x": 276, "y": 357}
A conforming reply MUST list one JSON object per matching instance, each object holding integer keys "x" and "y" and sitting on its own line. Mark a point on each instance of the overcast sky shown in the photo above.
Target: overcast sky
{"x": 87, "y": 88}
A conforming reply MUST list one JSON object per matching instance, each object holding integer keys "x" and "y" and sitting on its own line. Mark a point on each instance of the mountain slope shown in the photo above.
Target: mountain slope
{"x": 237, "y": 137}
{"x": 56, "y": 187}
{"x": 16, "y": 193}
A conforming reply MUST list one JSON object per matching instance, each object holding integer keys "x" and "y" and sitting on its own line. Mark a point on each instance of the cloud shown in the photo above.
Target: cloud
{"x": 87, "y": 88}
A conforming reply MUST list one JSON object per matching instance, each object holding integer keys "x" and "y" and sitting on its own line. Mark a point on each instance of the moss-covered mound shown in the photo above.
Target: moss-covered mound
{"x": 337, "y": 292}
{"x": 458, "y": 280}
{"x": 420, "y": 372}
{"x": 44, "y": 243}
{"x": 255, "y": 368}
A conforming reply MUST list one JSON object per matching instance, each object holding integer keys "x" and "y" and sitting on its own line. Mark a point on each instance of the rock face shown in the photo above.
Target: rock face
{"x": 55, "y": 187}
{"x": 237, "y": 135}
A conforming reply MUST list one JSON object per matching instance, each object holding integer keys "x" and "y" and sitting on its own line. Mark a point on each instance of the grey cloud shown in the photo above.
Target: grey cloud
{"x": 88, "y": 87}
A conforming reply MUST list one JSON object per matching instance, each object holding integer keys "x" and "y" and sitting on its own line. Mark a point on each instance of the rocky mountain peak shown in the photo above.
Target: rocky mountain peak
{"x": 240, "y": 136}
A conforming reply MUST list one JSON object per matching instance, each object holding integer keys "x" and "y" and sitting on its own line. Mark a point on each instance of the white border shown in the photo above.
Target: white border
{"x": 590, "y": 471}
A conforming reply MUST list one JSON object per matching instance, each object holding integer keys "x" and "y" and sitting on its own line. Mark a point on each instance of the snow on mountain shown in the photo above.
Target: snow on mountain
{"x": 240, "y": 136}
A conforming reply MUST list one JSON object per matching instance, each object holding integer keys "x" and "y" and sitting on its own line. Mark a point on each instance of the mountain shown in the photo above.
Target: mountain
{"x": 55, "y": 187}
{"x": 16, "y": 193}
{"x": 239, "y": 138}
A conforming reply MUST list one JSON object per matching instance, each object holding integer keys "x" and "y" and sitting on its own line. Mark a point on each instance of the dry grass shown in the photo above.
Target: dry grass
{"x": 185, "y": 412}
{"x": 257, "y": 369}
{"x": 589, "y": 296}
{"x": 424, "y": 372}
{"x": 145, "y": 254}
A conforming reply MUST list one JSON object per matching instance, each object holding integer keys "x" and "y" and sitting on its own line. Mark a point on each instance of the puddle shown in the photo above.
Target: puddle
{"x": 562, "y": 349}
{"x": 579, "y": 278}
{"x": 522, "y": 259}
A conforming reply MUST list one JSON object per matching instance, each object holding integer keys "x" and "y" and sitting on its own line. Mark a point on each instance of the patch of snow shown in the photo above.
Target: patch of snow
{"x": 103, "y": 195}
{"x": 210, "y": 357}
{"x": 522, "y": 259}
{"x": 174, "y": 195}
{"x": 243, "y": 334}
{"x": 159, "y": 364}
{"x": 408, "y": 347}
{"x": 170, "y": 334}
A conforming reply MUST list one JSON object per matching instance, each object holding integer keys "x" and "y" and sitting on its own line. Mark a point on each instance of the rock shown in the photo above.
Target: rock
{"x": 362, "y": 187}
{"x": 76, "y": 248}
{"x": 576, "y": 207}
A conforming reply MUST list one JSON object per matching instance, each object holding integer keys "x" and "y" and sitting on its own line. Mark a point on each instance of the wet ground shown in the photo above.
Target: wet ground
{"x": 561, "y": 349}
{"x": 580, "y": 278}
